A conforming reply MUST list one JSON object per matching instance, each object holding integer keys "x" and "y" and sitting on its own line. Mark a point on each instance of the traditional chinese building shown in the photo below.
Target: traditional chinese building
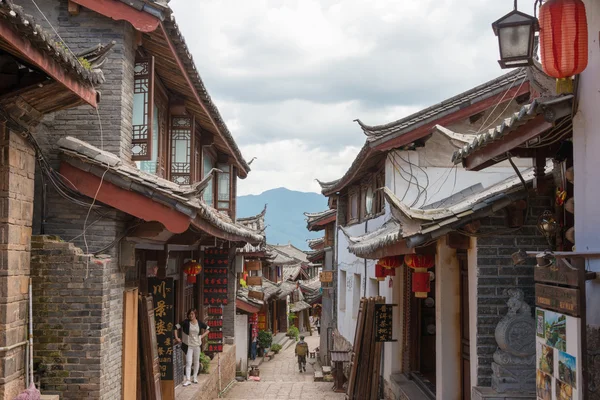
{"x": 406, "y": 161}
{"x": 40, "y": 77}
{"x": 136, "y": 197}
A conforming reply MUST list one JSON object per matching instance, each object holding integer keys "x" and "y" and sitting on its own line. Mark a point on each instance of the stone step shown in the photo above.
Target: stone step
{"x": 318, "y": 376}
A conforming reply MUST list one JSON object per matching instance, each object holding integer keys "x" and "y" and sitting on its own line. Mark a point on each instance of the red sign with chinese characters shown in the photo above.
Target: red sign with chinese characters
{"x": 216, "y": 278}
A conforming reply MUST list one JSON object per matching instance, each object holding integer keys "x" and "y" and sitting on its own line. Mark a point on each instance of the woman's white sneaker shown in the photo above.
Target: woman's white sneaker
{"x": 187, "y": 383}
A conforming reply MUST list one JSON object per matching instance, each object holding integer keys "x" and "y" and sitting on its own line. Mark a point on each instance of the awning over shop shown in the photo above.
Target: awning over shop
{"x": 371, "y": 244}
{"x": 102, "y": 175}
{"x": 299, "y": 306}
{"x": 312, "y": 290}
{"x": 527, "y": 133}
{"x": 287, "y": 288}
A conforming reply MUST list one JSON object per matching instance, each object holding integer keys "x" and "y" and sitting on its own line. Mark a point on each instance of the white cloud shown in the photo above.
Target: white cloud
{"x": 294, "y": 165}
{"x": 290, "y": 76}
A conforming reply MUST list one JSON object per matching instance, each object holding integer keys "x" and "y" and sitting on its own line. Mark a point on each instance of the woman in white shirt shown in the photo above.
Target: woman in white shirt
{"x": 192, "y": 343}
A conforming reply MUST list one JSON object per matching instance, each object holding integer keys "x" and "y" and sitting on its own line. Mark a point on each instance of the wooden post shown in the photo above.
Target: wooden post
{"x": 130, "y": 343}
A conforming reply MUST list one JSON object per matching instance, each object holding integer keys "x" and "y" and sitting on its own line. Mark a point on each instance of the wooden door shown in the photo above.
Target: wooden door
{"x": 150, "y": 348}
{"x": 465, "y": 352}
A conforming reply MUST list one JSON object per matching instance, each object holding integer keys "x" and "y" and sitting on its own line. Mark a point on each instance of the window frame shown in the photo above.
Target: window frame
{"x": 147, "y": 73}
{"x": 353, "y": 191}
{"x": 216, "y": 187}
{"x": 191, "y": 131}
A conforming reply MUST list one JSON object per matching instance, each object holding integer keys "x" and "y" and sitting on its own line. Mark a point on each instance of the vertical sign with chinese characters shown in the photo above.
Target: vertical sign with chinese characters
{"x": 163, "y": 295}
{"x": 383, "y": 322}
{"x": 216, "y": 268}
{"x": 215, "y": 334}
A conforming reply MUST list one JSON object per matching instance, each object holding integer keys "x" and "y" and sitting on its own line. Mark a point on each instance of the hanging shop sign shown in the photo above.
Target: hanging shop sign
{"x": 558, "y": 356}
{"x": 253, "y": 321}
{"x": 420, "y": 263}
{"x": 163, "y": 298}
{"x": 326, "y": 276}
{"x": 565, "y": 300}
{"x": 383, "y": 322}
{"x": 215, "y": 333}
{"x": 555, "y": 271}
{"x": 253, "y": 265}
{"x": 254, "y": 281}
{"x": 262, "y": 321}
{"x": 216, "y": 270}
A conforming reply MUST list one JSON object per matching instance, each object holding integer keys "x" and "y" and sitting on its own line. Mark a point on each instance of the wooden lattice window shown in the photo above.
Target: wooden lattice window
{"x": 208, "y": 164}
{"x": 353, "y": 204}
{"x": 143, "y": 109}
{"x": 223, "y": 187}
{"x": 182, "y": 138}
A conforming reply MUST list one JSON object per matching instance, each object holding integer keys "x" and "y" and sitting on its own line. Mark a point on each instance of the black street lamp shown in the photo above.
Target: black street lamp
{"x": 516, "y": 33}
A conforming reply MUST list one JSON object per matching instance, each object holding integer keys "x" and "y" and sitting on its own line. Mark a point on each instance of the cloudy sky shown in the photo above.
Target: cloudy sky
{"x": 290, "y": 76}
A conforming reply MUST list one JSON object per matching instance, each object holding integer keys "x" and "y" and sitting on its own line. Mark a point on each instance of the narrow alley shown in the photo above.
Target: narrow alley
{"x": 280, "y": 379}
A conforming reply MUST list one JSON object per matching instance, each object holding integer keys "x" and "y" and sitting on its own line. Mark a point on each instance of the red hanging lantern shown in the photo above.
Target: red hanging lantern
{"x": 563, "y": 41}
{"x": 191, "y": 269}
{"x": 420, "y": 263}
{"x": 386, "y": 267}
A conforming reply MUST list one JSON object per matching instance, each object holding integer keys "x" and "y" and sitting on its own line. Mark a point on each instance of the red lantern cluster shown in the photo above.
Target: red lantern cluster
{"x": 563, "y": 40}
{"x": 420, "y": 263}
{"x": 387, "y": 267}
{"x": 191, "y": 269}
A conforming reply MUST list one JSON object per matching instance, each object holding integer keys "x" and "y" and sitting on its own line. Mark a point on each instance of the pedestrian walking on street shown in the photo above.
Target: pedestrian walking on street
{"x": 192, "y": 343}
{"x": 318, "y": 323}
{"x": 301, "y": 351}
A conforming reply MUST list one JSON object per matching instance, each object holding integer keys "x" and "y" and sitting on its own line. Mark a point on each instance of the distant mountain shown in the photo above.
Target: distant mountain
{"x": 285, "y": 218}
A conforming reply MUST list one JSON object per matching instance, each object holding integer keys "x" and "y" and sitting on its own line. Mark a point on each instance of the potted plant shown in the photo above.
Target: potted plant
{"x": 276, "y": 348}
{"x": 265, "y": 338}
{"x": 205, "y": 363}
{"x": 293, "y": 332}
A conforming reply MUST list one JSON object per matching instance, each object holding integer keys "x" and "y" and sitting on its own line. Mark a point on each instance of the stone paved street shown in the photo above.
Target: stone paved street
{"x": 280, "y": 380}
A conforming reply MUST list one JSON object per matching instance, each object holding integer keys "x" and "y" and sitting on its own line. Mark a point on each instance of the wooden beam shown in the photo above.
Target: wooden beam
{"x": 73, "y": 8}
{"x": 457, "y": 241}
{"x": 500, "y": 147}
{"x": 141, "y": 21}
{"x": 23, "y": 49}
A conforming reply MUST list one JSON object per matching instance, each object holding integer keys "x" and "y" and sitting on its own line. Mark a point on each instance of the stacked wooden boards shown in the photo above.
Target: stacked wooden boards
{"x": 365, "y": 367}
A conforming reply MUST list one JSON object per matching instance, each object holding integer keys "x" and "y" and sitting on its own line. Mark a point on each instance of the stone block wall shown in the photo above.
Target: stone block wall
{"x": 77, "y": 321}
{"x": 496, "y": 273}
{"x": 17, "y": 167}
{"x": 210, "y": 381}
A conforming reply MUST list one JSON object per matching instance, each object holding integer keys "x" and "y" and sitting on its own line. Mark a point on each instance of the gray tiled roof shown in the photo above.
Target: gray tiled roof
{"x": 389, "y": 233}
{"x": 312, "y": 243}
{"x": 525, "y": 114}
{"x": 255, "y": 223}
{"x": 26, "y": 26}
{"x": 315, "y": 218}
{"x": 299, "y": 306}
{"x": 185, "y": 199}
{"x": 453, "y": 104}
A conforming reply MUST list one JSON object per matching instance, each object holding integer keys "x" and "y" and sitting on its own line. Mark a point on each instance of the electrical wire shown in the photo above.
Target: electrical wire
{"x": 482, "y": 128}
{"x": 399, "y": 168}
{"x": 87, "y": 264}
{"x": 56, "y": 33}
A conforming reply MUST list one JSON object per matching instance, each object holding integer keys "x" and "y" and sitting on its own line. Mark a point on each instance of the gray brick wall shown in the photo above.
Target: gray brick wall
{"x": 103, "y": 291}
{"x": 496, "y": 273}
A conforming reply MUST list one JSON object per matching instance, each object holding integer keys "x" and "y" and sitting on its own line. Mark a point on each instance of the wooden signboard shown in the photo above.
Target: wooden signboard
{"x": 564, "y": 300}
{"x": 163, "y": 294}
{"x": 149, "y": 348}
{"x": 215, "y": 333}
{"x": 130, "y": 343}
{"x": 254, "y": 281}
{"x": 326, "y": 276}
{"x": 256, "y": 295}
{"x": 560, "y": 274}
{"x": 383, "y": 323}
{"x": 253, "y": 265}
{"x": 216, "y": 277}
{"x": 262, "y": 321}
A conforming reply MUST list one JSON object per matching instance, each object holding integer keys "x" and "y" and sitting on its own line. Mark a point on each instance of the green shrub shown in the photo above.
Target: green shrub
{"x": 265, "y": 338}
{"x": 276, "y": 348}
{"x": 205, "y": 362}
{"x": 294, "y": 332}
{"x": 291, "y": 317}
